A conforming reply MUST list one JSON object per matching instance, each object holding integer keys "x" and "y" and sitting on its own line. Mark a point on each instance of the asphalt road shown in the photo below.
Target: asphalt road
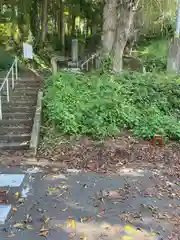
{"x": 87, "y": 205}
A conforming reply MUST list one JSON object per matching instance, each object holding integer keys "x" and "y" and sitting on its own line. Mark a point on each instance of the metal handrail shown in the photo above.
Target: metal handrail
{"x": 14, "y": 76}
{"x": 93, "y": 56}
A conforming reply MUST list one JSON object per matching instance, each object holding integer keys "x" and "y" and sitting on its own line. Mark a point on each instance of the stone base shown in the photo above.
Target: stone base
{"x": 75, "y": 70}
{"x": 173, "y": 60}
{"x": 73, "y": 64}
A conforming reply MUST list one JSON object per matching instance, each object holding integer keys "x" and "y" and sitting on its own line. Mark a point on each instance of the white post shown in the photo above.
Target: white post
{"x": 13, "y": 76}
{"x": 74, "y": 50}
{"x": 7, "y": 89}
{"x": 16, "y": 68}
{"x": 178, "y": 21}
{"x": 0, "y": 108}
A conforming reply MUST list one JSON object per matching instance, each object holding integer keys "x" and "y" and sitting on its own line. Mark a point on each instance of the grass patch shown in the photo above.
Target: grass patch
{"x": 103, "y": 105}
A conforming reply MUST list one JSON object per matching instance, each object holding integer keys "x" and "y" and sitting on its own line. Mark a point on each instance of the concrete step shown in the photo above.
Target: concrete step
{"x": 26, "y": 88}
{"x": 15, "y": 138}
{"x": 18, "y": 115}
{"x": 27, "y": 80}
{"x": 16, "y": 122}
{"x": 29, "y": 84}
{"x": 4, "y": 87}
{"x": 12, "y": 130}
{"x": 26, "y": 91}
{"x": 6, "y": 108}
{"x": 14, "y": 145}
{"x": 20, "y": 102}
{"x": 20, "y": 97}
{"x": 15, "y": 92}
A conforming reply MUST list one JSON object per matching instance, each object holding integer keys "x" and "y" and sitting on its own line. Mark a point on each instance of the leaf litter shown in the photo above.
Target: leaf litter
{"x": 115, "y": 154}
{"x": 118, "y": 153}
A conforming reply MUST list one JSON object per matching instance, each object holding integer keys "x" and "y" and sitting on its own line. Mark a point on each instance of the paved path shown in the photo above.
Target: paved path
{"x": 77, "y": 205}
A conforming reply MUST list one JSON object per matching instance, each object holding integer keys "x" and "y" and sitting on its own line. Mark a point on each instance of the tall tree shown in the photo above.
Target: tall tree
{"x": 44, "y": 21}
{"x": 118, "y": 16}
{"x": 109, "y": 25}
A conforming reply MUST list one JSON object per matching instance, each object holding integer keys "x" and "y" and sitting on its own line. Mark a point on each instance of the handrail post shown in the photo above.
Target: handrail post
{"x": 7, "y": 89}
{"x": 0, "y": 108}
{"x": 16, "y": 69}
{"x": 13, "y": 73}
{"x": 13, "y": 76}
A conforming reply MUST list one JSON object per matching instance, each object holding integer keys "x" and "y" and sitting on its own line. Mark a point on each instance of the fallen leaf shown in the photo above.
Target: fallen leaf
{"x": 83, "y": 237}
{"x": 71, "y": 235}
{"x": 73, "y": 224}
{"x": 63, "y": 210}
{"x": 19, "y": 225}
{"x": 21, "y": 200}
{"x": 85, "y": 219}
{"x": 44, "y": 233}
{"x": 40, "y": 210}
{"x": 29, "y": 227}
{"x": 44, "y": 229}
{"x": 28, "y": 219}
{"x": 102, "y": 212}
{"x": 47, "y": 220}
{"x": 130, "y": 229}
{"x": 17, "y": 195}
{"x": 11, "y": 235}
{"x": 52, "y": 188}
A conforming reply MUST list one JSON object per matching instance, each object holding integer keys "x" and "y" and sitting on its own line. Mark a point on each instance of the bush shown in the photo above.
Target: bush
{"x": 103, "y": 105}
{"x": 154, "y": 55}
{"x": 6, "y": 59}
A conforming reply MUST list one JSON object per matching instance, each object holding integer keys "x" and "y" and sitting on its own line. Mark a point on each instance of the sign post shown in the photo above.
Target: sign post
{"x": 27, "y": 51}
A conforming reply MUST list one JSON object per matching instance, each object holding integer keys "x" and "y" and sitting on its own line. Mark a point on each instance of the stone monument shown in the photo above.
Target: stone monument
{"x": 74, "y": 50}
{"x": 74, "y": 64}
{"x": 173, "y": 60}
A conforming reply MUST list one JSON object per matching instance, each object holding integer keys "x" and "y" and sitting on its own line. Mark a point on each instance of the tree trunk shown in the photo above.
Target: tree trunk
{"x": 73, "y": 30}
{"x": 87, "y": 27}
{"x": 61, "y": 32}
{"x": 23, "y": 25}
{"x": 109, "y": 25}
{"x": 44, "y": 22}
{"x": 34, "y": 20}
{"x": 124, "y": 22}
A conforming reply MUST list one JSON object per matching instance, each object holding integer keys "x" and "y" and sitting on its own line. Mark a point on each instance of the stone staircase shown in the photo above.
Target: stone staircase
{"x": 18, "y": 113}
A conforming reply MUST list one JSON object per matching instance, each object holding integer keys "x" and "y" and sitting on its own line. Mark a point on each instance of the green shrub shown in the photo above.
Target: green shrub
{"x": 6, "y": 59}
{"x": 154, "y": 55}
{"x": 103, "y": 105}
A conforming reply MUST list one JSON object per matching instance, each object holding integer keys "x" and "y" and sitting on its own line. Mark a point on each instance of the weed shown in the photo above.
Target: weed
{"x": 101, "y": 105}
{"x": 154, "y": 55}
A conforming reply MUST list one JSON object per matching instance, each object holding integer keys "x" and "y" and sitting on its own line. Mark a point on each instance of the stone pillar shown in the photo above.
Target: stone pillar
{"x": 74, "y": 50}
{"x": 173, "y": 60}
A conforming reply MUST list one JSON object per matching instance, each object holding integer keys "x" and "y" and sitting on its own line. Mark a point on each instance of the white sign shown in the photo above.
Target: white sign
{"x": 28, "y": 51}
